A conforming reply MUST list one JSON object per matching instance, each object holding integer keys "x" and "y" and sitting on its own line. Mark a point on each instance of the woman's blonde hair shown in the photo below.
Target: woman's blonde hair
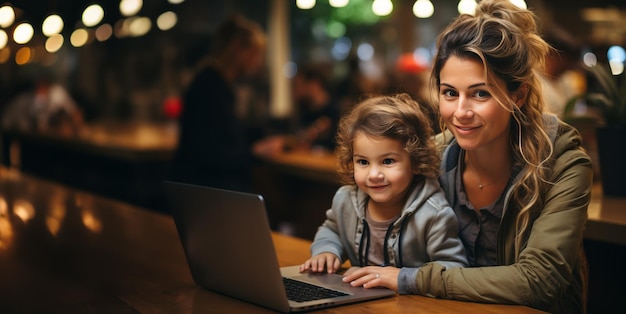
{"x": 396, "y": 117}
{"x": 505, "y": 39}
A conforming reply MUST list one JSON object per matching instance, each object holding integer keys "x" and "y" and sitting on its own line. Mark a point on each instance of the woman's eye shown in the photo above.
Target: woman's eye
{"x": 482, "y": 94}
{"x": 388, "y": 161}
{"x": 449, "y": 93}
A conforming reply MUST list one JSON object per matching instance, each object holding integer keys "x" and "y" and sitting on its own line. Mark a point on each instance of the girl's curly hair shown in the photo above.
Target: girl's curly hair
{"x": 396, "y": 117}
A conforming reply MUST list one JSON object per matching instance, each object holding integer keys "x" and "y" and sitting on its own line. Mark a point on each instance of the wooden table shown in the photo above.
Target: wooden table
{"x": 319, "y": 166}
{"x": 69, "y": 251}
{"x": 607, "y": 217}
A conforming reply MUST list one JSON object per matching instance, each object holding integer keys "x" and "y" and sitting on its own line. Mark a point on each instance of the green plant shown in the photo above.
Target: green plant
{"x": 609, "y": 99}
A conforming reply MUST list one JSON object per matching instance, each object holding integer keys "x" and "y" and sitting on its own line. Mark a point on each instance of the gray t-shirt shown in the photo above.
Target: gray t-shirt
{"x": 378, "y": 230}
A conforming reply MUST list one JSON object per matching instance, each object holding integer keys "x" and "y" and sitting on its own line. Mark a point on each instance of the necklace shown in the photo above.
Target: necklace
{"x": 480, "y": 183}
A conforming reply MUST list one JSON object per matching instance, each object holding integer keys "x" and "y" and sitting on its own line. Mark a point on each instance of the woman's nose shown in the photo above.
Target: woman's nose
{"x": 464, "y": 109}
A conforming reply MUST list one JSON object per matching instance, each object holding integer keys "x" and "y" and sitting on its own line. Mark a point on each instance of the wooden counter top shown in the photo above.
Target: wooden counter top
{"x": 131, "y": 141}
{"x": 607, "y": 217}
{"x": 318, "y": 166}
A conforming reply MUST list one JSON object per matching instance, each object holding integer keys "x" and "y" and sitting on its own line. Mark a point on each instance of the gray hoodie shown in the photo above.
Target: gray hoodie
{"x": 427, "y": 230}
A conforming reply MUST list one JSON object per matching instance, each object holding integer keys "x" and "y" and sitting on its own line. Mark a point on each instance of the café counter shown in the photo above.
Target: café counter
{"x": 70, "y": 251}
{"x": 121, "y": 160}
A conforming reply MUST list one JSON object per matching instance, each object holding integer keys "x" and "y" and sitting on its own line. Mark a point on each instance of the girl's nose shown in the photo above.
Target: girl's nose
{"x": 375, "y": 173}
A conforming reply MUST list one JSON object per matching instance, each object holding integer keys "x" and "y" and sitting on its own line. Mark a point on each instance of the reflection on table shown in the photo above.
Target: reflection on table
{"x": 64, "y": 250}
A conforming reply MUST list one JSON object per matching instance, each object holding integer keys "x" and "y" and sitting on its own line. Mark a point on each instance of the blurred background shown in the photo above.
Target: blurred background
{"x": 91, "y": 90}
{"x": 125, "y": 65}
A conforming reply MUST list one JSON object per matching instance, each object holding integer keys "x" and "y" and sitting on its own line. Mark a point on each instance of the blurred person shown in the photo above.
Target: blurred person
{"x": 392, "y": 211}
{"x": 315, "y": 118}
{"x": 563, "y": 78}
{"x": 47, "y": 108}
{"x": 516, "y": 176}
{"x": 214, "y": 148}
{"x": 354, "y": 85}
{"x": 318, "y": 112}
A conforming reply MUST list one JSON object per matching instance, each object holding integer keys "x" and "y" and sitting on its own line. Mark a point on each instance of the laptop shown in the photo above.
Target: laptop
{"x": 227, "y": 241}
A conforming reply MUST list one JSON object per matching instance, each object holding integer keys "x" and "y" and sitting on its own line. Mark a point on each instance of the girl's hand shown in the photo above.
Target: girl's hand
{"x": 318, "y": 263}
{"x": 373, "y": 276}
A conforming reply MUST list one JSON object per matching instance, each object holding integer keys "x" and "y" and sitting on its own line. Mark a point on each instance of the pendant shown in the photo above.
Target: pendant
{"x": 480, "y": 186}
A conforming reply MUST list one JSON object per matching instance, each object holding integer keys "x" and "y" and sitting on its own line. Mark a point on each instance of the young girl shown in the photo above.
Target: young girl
{"x": 392, "y": 212}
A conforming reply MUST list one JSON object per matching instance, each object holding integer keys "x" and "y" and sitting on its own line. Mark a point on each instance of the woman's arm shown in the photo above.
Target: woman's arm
{"x": 546, "y": 264}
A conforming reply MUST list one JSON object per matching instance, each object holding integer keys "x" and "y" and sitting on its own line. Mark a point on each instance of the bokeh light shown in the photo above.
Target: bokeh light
{"x": 305, "y": 4}
{"x": 4, "y": 38}
{"x": 7, "y": 16}
{"x": 93, "y": 15}
{"x": 79, "y": 37}
{"x": 104, "y": 32}
{"x": 423, "y": 9}
{"x": 54, "y": 43}
{"x": 5, "y": 54}
{"x": 23, "y": 33}
{"x": 130, "y": 7}
{"x": 338, "y": 3}
{"x": 52, "y": 25}
{"x": 167, "y": 20}
{"x": 382, "y": 7}
{"x": 467, "y": 7}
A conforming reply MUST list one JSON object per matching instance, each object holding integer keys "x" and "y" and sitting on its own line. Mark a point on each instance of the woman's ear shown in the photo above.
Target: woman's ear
{"x": 520, "y": 95}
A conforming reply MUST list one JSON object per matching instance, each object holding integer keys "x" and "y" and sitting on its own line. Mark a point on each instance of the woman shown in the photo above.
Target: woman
{"x": 517, "y": 178}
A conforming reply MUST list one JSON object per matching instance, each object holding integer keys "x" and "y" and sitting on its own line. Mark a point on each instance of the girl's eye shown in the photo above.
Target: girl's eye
{"x": 388, "y": 161}
{"x": 362, "y": 162}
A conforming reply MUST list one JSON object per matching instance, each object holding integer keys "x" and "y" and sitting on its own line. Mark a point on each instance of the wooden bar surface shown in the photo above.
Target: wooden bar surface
{"x": 68, "y": 251}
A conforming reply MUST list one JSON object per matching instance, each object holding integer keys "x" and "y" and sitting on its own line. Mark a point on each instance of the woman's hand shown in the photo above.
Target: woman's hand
{"x": 322, "y": 261}
{"x": 373, "y": 276}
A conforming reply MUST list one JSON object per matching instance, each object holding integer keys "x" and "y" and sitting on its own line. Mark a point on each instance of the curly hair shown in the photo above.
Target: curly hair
{"x": 397, "y": 117}
{"x": 505, "y": 39}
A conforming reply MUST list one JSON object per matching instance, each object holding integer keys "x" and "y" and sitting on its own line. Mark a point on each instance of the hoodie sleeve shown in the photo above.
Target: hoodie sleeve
{"x": 327, "y": 238}
{"x": 443, "y": 247}
{"x": 443, "y": 243}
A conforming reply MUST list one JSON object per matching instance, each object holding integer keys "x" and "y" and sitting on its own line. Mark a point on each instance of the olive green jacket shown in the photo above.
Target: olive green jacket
{"x": 551, "y": 272}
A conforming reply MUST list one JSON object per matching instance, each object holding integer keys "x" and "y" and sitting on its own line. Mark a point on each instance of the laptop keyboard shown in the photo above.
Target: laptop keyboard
{"x": 301, "y": 291}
